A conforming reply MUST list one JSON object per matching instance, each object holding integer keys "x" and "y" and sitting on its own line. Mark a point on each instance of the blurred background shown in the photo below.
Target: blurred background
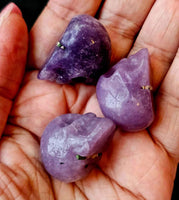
{"x": 30, "y": 10}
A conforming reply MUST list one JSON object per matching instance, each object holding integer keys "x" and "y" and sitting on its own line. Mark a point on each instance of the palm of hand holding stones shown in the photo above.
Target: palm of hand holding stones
{"x": 124, "y": 95}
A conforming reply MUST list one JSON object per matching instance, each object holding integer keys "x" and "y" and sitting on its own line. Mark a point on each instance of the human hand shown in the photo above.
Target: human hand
{"x": 136, "y": 165}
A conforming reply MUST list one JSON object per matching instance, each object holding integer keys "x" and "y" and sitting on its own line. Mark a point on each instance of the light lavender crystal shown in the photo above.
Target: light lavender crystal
{"x": 72, "y": 144}
{"x": 125, "y": 93}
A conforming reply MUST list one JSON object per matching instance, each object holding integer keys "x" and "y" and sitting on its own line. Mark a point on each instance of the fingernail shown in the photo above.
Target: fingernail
{"x": 10, "y": 8}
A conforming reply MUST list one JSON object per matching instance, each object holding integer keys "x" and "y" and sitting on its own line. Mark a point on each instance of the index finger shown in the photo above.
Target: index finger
{"x": 52, "y": 22}
{"x": 13, "y": 51}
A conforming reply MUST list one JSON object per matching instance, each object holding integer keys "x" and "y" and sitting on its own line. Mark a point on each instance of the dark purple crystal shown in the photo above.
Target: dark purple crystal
{"x": 82, "y": 54}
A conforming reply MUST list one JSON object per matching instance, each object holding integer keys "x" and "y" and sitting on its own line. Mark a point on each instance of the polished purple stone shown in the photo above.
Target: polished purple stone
{"x": 81, "y": 55}
{"x": 72, "y": 144}
{"x": 125, "y": 93}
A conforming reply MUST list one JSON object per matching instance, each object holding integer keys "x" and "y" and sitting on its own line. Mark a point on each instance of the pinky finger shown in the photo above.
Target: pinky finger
{"x": 166, "y": 126}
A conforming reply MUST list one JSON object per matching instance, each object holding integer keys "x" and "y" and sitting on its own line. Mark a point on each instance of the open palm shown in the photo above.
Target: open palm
{"x": 136, "y": 165}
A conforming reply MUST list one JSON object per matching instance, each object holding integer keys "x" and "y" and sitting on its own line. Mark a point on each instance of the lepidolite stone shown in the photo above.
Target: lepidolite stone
{"x": 72, "y": 144}
{"x": 81, "y": 55}
{"x": 125, "y": 93}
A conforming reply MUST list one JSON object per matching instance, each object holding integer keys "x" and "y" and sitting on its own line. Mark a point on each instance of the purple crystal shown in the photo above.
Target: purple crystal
{"x": 72, "y": 144}
{"x": 124, "y": 93}
{"x": 82, "y": 54}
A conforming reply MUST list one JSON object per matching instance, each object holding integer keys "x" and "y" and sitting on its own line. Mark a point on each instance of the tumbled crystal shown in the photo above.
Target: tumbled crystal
{"x": 82, "y": 54}
{"x": 72, "y": 144}
{"x": 125, "y": 93}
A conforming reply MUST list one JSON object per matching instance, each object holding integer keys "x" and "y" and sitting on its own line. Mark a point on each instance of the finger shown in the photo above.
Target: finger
{"x": 123, "y": 19}
{"x": 52, "y": 22}
{"x": 13, "y": 50}
{"x": 166, "y": 126}
{"x": 160, "y": 34}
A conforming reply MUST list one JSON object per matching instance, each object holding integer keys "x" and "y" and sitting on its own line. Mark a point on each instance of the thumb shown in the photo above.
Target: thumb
{"x": 13, "y": 51}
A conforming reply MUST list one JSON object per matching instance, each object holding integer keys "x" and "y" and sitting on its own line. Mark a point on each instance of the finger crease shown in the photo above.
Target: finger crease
{"x": 169, "y": 98}
{"x": 166, "y": 56}
{"x": 60, "y": 11}
{"x": 121, "y": 25}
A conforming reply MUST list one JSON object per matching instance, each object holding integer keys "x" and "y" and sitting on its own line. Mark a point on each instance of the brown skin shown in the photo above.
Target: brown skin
{"x": 136, "y": 166}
